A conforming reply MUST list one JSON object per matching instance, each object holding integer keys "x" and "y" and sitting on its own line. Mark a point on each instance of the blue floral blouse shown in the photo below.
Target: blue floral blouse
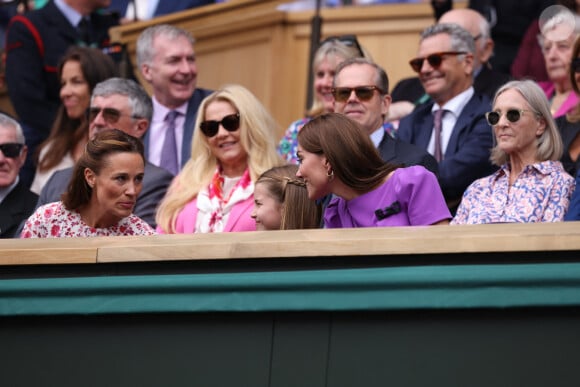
{"x": 541, "y": 193}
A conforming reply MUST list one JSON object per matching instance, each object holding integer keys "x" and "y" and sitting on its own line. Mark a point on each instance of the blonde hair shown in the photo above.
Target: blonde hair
{"x": 257, "y": 137}
{"x": 333, "y": 50}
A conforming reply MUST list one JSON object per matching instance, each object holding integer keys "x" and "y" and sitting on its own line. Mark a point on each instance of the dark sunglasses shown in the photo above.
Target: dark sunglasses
{"x": 364, "y": 93}
{"x": 576, "y": 65}
{"x": 512, "y": 115}
{"x": 11, "y": 149}
{"x": 231, "y": 123}
{"x": 347, "y": 40}
{"x": 110, "y": 115}
{"x": 434, "y": 60}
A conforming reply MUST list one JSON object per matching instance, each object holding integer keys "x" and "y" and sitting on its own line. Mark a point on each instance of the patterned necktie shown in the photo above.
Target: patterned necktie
{"x": 437, "y": 123}
{"x": 169, "y": 150}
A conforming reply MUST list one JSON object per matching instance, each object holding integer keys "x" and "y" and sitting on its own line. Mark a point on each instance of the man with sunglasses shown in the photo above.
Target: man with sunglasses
{"x": 410, "y": 92}
{"x": 452, "y": 126}
{"x": 360, "y": 93}
{"x": 166, "y": 58}
{"x": 17, "y": 203}
{"x": 122, "y": 104}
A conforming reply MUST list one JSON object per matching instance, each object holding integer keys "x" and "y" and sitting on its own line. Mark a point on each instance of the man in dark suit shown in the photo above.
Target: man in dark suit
{"x": 369, "y": 105}
{"x": 452, "y": 127}
{"x": 16, "y": 200}
{"x": 121, "y": 104}
{"x": 409, "y": 92}
{"x": 35, "y": 42}
{"x": 166, "y": 58}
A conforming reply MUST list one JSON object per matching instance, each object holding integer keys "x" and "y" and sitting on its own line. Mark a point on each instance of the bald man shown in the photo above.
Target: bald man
{"x": 409, "y": 92}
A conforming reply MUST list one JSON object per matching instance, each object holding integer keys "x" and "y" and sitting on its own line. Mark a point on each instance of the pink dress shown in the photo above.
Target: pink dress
{"x": 239, "y": 218}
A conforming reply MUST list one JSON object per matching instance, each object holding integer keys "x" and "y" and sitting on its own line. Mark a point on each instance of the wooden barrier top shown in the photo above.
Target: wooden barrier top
{"x": 435, "y": 240}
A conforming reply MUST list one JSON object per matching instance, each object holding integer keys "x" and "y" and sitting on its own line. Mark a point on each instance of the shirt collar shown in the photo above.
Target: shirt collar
{"x": 543, "y": 167}
{"x": 71, "y": 14}
{"x": 456, "y": 104}
{"x": 377, "y": 136}
{"x": 160, "y": 111}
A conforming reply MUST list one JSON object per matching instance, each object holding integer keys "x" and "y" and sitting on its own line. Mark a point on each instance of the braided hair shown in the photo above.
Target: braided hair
{"x": 298, "y": 212}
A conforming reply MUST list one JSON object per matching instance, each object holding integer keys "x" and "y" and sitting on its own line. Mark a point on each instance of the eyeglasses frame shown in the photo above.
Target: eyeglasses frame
{"x": 441, "y": 54}
{"x": 351, "y": 89}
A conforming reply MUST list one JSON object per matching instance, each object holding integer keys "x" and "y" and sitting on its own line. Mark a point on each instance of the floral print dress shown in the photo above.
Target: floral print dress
{"x": 53, "y": 220}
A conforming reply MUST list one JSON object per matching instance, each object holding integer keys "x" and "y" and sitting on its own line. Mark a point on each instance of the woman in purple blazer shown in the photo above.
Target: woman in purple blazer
{"x": 337, "y": 157}
{"x": 235, "y": 144}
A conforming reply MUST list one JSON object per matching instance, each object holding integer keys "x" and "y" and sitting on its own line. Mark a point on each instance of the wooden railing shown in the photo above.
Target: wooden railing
{"x": 415, "y": 306}
{"x": 440, "y": 241}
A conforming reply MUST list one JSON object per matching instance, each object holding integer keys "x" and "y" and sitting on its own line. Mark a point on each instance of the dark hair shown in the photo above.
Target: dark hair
{"x": 298, "y": 212}
{"x": 381, "y": 77}
{"x": 66, "y": 132}
{"x": 353, "y": 157}
{"x": 574, "y": 114}
{"x": 98, "y": 149}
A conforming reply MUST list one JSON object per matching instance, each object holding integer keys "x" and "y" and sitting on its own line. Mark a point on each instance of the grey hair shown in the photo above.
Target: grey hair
{"x": 461, "y": 39}
{"x": 9, "y": 122}
{"x": 549, "y": 143}
{"x": 381, "y": 80}
{"x": 145, "y": 52}
{"x": 564, "y": 15}
{"x": 139, "y": 100}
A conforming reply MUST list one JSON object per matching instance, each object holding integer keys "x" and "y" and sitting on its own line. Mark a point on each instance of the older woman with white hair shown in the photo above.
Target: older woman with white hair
{"x": 531, "y": 184}
{"x": 557, "y": 40}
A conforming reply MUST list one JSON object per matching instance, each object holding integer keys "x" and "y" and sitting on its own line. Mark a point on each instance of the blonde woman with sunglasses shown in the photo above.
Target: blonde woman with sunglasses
{"x": 232, "y": 146}
{"x": 531, "y": 184}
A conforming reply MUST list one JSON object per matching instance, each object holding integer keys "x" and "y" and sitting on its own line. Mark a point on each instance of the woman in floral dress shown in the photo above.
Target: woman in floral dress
{"x": 101, "y": 195}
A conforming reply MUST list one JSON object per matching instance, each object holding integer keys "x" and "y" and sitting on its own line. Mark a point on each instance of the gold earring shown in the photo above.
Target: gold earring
{"x": 330, "y": 175}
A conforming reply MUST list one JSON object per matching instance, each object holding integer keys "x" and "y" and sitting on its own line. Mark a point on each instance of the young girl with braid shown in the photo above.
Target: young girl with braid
{"x": 281, "y": 201}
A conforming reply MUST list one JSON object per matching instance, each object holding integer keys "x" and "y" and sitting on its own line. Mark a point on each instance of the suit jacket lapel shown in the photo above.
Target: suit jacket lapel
{"x": 188, "y": 126}
{"x": 387, "y": 149}
{"x": 425, "y": 128}
{"x": 466, "y": 117}
{"x": 13, "y": 206}
{"x": 61, "y": 23}
{"x": 146, "y": 143}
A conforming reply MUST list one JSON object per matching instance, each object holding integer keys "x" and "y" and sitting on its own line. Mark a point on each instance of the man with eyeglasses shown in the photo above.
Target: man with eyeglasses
{"x": 452, "y": 126}
{"x": 360, "y": 93}
{"x": 166, "y": 58}
{"x": 410, "y": 92}
{"x": 122, "y": 104}
{"x": 17, "y": 203}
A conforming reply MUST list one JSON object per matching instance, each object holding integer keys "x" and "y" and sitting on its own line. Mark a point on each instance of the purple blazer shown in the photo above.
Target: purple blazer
{"x": 238, "y": 220}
